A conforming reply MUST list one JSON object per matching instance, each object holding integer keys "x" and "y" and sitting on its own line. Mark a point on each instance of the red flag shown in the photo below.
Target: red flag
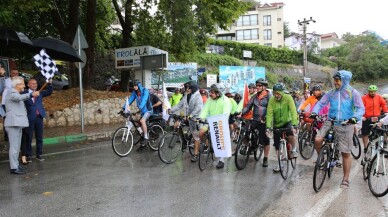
{"x": 248, "y": 115}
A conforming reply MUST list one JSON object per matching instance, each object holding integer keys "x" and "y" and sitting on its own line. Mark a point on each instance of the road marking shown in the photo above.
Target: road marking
{"x": 321, "y": 206}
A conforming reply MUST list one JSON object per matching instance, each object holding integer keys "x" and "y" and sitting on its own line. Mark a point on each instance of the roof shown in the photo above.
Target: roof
{"x": 329, "y": 35}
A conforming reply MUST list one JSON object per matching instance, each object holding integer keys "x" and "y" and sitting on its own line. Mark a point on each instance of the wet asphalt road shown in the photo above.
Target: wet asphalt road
{"x": 90, "y": 180}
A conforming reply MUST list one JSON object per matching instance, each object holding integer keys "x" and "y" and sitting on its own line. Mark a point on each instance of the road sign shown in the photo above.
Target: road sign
{"x": 82, "y": 41}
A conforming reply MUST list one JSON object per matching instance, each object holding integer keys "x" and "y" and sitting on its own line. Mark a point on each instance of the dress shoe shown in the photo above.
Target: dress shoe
{"x": 22, "y": 168}
{"x": 39, "y": 158}
{"x": 17, "y": 171}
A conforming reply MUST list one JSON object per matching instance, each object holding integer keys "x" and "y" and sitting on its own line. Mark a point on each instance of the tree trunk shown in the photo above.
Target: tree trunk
{"x": 91, "y": 39}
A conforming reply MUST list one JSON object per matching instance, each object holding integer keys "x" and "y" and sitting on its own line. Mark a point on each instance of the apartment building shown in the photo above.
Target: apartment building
{"x": 331, "y": 40}
{"x": 262, "y": 24}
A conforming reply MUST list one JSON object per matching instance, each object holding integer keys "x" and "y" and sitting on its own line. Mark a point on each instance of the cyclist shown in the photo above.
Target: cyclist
{"x": 345, "y": 105}
{"x": 176, "y": 97}
{"x": 143, "y": 102}
{"x": 157, "y": 105}
{"x": 216, "y": 104}
{"x": 259, "y": 103}
{"x": 191, "y": 105}
{"x": 298, "y": 98}
{"x": 281, "y": 113}
{"x": 251, "y": 89}
{"x": 310, "y": 102}
{"x": 233, "y": 111}
{"x": 374, "y": 105}
{"x": 204, "y": 95}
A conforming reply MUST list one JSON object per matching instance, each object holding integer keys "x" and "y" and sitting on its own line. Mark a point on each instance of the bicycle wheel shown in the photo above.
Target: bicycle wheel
{"x": 170, "y": 147}
{"x": 155, "y": 133}
{"x": 122, "y": 141}
{"x": 366, "y": 161}
{"x": 356, "y": 148}
{"x": 136, "y": 136}
{"x": 205, "y": 156}
{"x": 258, "y": 152}
{"x": 290, "y": 158}
{"x": 283, "y": 159}
{"x": 321, "y": 168}
{"x": 378, "y": 175}
{"x": 241, "y": 155}
{"x": 190, "y": 145}
{"x": 306, "y": 146}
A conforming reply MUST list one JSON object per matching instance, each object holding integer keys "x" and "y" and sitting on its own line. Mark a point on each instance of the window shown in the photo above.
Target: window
{"x": 247, "y": 34}
{"x": 279, "y": 19}
{"x": 268, "y": 44}
{"x": 267, "y": 34}
{"x": 279, "y": 33}
{"x": 247, "y": 20}
{"x": 225, "y": 37}
{"x": 267, "y": 20}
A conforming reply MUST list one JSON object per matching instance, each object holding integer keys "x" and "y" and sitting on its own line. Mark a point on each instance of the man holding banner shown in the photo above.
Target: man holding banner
{"x": 217, "y": 104}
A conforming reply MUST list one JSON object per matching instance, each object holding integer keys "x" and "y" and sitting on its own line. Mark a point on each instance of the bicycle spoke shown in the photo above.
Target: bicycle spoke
{"x": 378, "y": 175}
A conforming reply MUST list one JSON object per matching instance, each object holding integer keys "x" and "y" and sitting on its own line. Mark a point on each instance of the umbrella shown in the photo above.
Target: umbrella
{"x": 11, "y": 38}
{"x": 57, "y": 49}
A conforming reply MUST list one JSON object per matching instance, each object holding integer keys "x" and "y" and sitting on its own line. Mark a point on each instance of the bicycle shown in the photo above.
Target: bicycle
{"x": 328, "y": 158}
{"x": 248, "y": 143}
{"x": 284, "y": 153}
{"x": 306, "y": 144}
{"x": 174, "y": 143}
{"x": 206, "y": 152}
{"x": 123, "y": 137}
{"x": 378, "y": 171}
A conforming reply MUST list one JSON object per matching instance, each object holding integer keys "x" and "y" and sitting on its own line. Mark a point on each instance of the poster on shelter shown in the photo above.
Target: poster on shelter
{"x": 234, "y": 77}
{"x": 176, "y": 74}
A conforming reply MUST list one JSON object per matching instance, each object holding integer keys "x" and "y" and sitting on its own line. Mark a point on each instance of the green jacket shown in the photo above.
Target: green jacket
{"x": 175, "y": 99}
{"x": 279, "y": 113}
{"x": 219, "y": 106}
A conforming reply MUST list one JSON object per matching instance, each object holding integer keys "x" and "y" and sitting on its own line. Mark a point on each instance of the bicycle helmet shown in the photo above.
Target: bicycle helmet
{"x": 372, "y": 88}
{"x": 385, "y": 96}
{"x": 317, "y": 87}
{"x": 262, "y": 81}
{"x": 279, "y": 87}
{"x": 337, "y": 75}
{"x": 251, "y": 85}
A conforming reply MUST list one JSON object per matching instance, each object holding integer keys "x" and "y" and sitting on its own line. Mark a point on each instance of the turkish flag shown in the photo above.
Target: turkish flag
{"x": 248, "y": 115}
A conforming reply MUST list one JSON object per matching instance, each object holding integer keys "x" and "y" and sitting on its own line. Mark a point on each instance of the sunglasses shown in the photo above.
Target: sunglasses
{"x": 259, "y": 85}
{"x": 337, "y": 79}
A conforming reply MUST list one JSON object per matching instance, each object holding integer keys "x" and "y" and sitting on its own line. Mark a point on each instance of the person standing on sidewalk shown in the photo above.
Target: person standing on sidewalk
{"x": 36, "y": 113}
{"x": 7, "y": 88}
{"x": 16, "y": 120}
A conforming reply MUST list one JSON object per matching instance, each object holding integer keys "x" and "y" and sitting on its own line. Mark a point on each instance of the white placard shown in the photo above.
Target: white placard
{"x": 211, "y": 79}
{"x": 220, "y": 135}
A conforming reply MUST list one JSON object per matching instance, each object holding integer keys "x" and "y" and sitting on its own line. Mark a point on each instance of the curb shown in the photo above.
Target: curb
{"x": 75, "y": 138}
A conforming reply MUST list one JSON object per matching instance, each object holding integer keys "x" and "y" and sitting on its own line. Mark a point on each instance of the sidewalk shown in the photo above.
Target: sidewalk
{"x": 64, "y": 135}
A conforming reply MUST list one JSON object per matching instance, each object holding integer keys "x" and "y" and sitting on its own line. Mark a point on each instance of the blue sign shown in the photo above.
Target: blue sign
{"x": 234, "y": 77}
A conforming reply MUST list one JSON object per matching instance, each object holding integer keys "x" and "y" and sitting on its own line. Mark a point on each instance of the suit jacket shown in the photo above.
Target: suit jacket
{"x": 16, "y": 111}
{"x": 32, "y": 106}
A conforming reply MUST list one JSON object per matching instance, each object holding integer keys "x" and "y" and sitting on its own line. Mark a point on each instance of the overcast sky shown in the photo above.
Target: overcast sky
{"x": 338, "y": 16}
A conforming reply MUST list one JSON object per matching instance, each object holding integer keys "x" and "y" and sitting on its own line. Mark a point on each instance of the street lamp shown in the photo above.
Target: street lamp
{"x": 304, "y": 24}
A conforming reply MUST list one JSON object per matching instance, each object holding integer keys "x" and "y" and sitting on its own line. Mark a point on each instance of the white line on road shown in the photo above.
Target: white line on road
{"x": 323, "y": 204}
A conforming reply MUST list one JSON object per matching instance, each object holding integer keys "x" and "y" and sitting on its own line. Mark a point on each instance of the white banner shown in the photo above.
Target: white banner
{"x": 166, "y": 103}
{"x": 220, "y": 135}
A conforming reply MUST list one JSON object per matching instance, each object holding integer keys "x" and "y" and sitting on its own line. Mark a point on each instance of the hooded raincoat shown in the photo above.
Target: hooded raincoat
{"x": 143, "y": 101}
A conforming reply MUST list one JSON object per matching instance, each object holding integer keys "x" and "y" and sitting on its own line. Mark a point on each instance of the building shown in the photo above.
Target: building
{"x": 331, "y": 40}
{"x": 295, "y": 42}
{"x": 262, "y": 24}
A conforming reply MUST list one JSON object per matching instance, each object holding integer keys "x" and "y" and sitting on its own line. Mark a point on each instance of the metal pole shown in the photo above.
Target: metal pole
{"x": 80, "y": 82}
{"x": 304, "y": 24}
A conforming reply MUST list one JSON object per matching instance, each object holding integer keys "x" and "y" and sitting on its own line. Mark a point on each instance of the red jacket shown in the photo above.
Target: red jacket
{"x": 374, "y": 105}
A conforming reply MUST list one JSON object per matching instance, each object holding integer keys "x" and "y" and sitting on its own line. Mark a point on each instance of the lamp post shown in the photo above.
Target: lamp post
{"x": 304, "y": 24}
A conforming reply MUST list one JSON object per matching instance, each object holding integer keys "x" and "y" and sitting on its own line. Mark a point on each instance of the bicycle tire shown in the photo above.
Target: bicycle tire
{"x": 204, "y": 157}
{"x": 283, "y": 160}
{"x": 136, "y": 135}
{"x": 331, "y": 157}
{"x": 321, "y": 168}
{"x": 190, "y": 145}
{"x": 155, "y": 133}
{"x": 170, "y": 147}
{"x": 378, "y": 187}
{"x": 258, "y": 152}
{"x": 367, "y": 160}
{"x": 306, "y": 146}
{"x": 241, "y": 155}
{"x": 356, "y": 148}
{"x": 291, "y": 159}
{"x": 122, "y": 141}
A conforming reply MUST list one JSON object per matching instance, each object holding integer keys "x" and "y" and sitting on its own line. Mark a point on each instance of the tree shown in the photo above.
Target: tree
{"x": 286, "y": 29}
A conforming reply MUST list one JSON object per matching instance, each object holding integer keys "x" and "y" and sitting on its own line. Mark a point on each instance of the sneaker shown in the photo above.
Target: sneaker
{"x": 39, "y": 158}
{"x": 265, "y": 163}
{"x": 276, "y": 170}
{"x": 141, "y": 148}
{"x": 29, "y": 159}
{"x": 220, "y": 165}
{"x": 194, "y": 158}
{"x": 294, "y": 154}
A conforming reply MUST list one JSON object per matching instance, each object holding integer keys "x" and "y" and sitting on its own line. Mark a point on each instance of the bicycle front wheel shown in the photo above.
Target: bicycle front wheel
{"x": 356, "y": 148}
{"x": 321, "y": 168}
{"x": 283, "y": 160}
{"x": 258, "y": 152}
{"x": 205, "y": 156}
{"x": 170, "y": 147}
{"x": 366, "y": 161}
{"x": 122, "y": 141}
{"x": 241, "y": 155}
{"x": 378, "y": 175}
{"x": 155, "y": 133}
{"x": 306, "y": 145}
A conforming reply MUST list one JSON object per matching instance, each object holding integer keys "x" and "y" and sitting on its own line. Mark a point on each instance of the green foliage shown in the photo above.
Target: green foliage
{"x": 268, "y": 54}
{"x": 215, "y": 60}
{"x": 272, "y": 78}
{"x": 364, "y": 56}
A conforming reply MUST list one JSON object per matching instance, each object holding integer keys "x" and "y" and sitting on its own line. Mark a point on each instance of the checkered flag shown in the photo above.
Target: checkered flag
{"x": 45, "y": 64}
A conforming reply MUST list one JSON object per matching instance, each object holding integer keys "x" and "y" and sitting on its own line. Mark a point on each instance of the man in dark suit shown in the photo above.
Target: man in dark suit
{"x": 35, "y": 114}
